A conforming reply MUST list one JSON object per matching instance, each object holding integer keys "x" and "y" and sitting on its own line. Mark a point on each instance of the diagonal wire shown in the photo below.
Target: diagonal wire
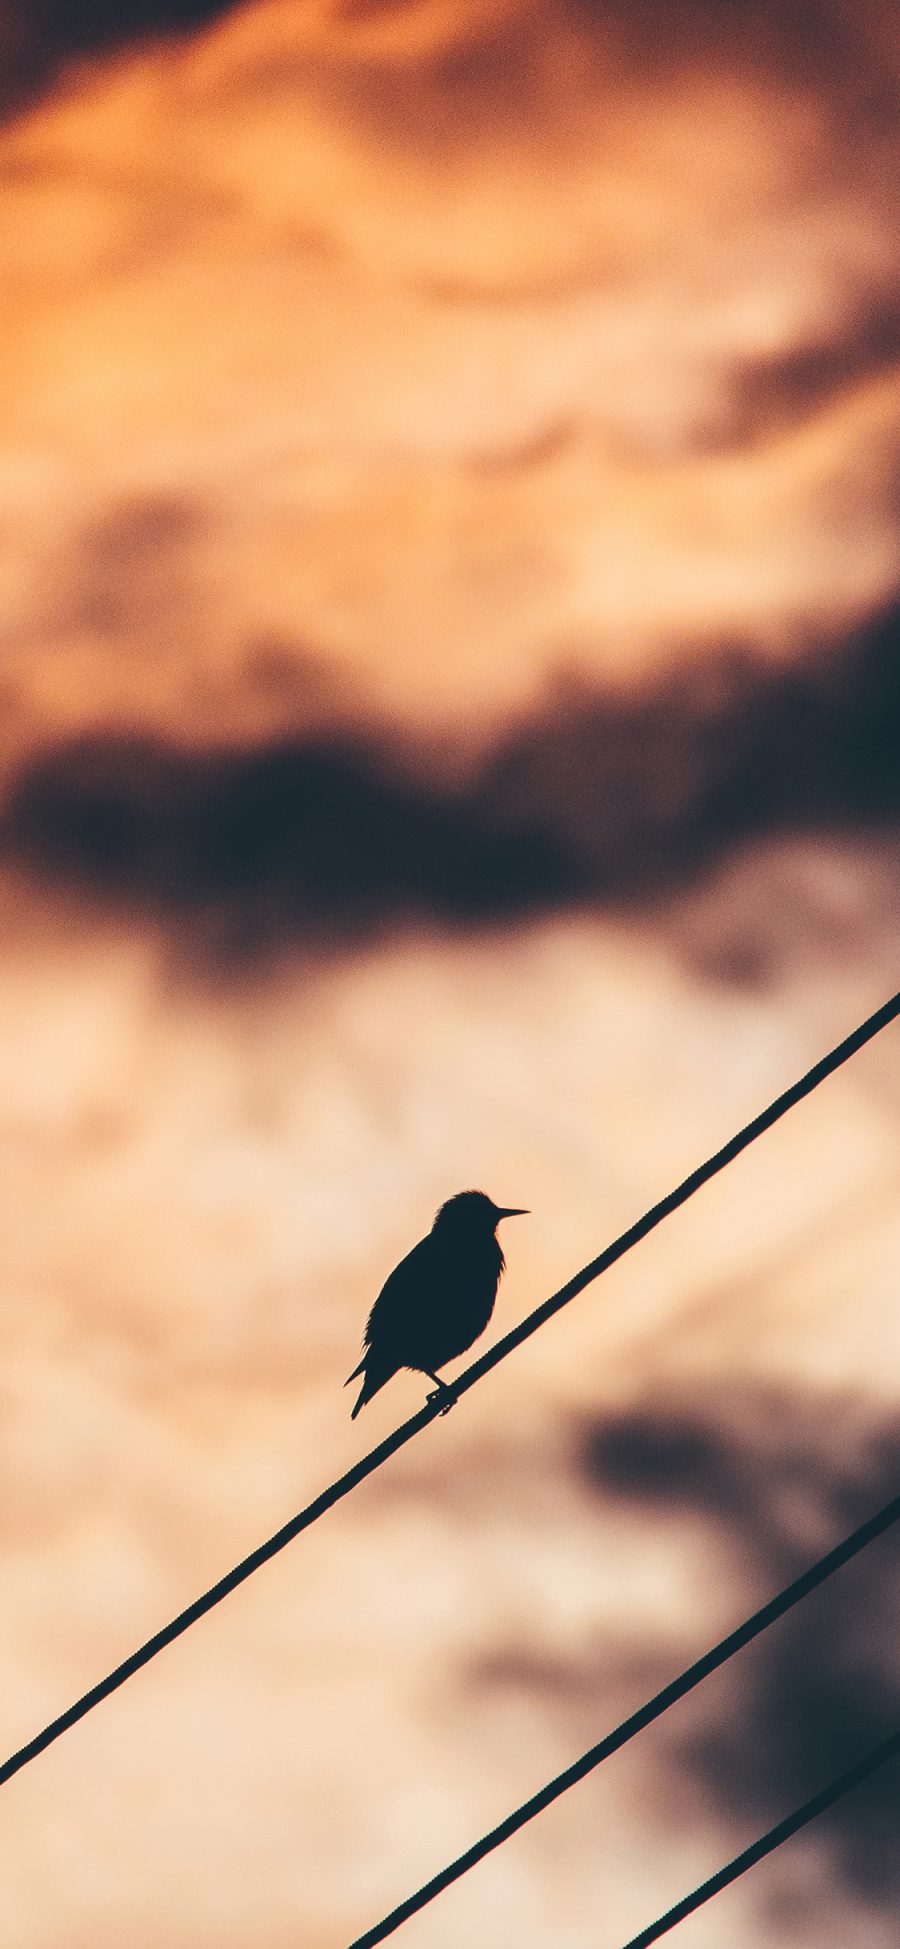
{"x": 767, "y": 1843}
{"x": 720, "y": 1653}
{"x": 376, "y": 1457}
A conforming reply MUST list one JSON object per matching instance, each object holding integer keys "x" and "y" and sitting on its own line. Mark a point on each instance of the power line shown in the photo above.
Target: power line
{"x": 408, "y": 1429}
{"x": 720, "y": 1653}
{"x": 767, "y": 1843}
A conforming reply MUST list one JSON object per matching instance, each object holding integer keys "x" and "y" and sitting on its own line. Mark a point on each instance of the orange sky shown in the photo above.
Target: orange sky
{"x": 438, "y": 349}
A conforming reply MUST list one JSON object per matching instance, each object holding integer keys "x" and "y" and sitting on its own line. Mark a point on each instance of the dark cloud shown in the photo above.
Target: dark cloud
{"x": 258, "y": 851}
{"x": 37, "y": 37}
{"x": 767, "y": 395}
{"x": 67, "y": 26}
{"x": 593, "y": 800}
{"x": 776, "y": 1478}
{"x": 750, "y": 1484}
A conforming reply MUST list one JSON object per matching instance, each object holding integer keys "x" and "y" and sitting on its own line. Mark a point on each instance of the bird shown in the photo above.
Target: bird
{"x": 438, "y": 1299}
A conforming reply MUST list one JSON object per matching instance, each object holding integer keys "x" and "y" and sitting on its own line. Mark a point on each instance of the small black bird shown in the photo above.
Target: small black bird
{"x": 438, "y": 1299}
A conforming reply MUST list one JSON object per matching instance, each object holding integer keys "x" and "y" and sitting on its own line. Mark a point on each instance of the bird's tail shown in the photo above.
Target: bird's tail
{"x": 372, "y": 1381}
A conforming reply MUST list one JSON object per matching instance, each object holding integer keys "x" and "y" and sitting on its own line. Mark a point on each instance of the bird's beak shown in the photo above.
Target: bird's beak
{"x": 512, "y": 1211}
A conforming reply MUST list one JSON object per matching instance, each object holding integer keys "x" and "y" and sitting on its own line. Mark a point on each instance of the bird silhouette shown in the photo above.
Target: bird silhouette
{"x": 438, "y": 1299}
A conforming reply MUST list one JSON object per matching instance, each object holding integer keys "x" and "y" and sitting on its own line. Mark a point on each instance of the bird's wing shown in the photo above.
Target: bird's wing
{"x": 401, "y": 1294}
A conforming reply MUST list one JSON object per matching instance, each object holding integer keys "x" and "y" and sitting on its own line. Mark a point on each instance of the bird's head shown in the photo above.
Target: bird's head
{"x": 473, "y": 1211}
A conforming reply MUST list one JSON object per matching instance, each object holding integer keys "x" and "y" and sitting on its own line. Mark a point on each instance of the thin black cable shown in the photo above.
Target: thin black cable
{"x": 820, "y": 1802}
{"x": 793, "y": 1593}
{"x": 400, "y": 1436}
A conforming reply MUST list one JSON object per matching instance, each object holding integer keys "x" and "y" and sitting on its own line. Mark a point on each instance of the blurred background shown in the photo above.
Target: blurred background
{"x": 450, "y": 703}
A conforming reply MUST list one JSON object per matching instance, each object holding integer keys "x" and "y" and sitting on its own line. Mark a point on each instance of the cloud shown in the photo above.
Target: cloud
{"x": 774, "y": 1478}
{"x": 592, "y": 799}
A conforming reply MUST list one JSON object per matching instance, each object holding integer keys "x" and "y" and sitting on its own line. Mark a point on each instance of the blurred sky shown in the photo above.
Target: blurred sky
{"x": 449, "y": 729}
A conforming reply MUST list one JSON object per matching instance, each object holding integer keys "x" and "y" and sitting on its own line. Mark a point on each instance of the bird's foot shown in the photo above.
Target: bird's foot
{"x": 441, "y": 1392}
